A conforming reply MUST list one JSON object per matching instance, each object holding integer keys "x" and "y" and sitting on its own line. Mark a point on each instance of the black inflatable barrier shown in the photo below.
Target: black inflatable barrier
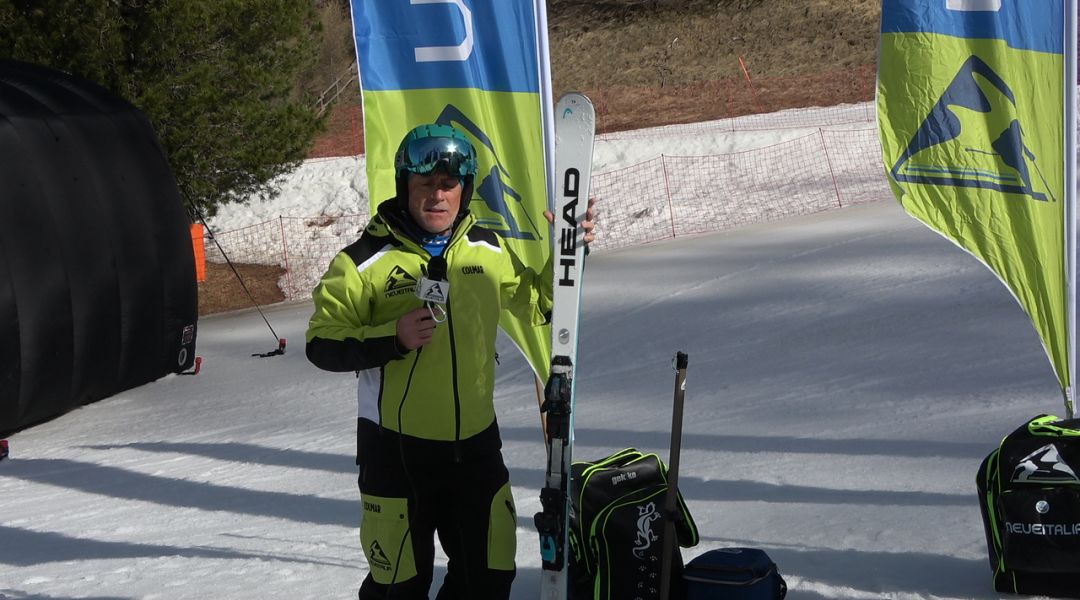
{"x": 97, "y": 273}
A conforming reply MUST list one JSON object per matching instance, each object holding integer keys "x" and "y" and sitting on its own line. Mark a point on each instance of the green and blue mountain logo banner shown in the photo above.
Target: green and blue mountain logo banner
{"x": 971, "y": 107}
{"x": 472, "y": 64}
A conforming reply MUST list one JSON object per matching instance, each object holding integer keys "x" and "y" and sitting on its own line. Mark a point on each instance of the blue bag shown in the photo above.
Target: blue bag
{"x": 733, "y": 574}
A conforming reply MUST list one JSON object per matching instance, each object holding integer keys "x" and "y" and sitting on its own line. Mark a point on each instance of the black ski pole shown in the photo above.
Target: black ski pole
{"x": 671, "y": 498}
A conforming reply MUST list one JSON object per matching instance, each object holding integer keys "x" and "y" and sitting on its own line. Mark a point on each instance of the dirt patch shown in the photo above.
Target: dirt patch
{"x": 344, "y": 134}
{"x": 222, "y": 290}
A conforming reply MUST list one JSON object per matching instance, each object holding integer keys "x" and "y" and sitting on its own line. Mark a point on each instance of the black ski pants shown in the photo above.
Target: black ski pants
{"x": 467, "y": 504}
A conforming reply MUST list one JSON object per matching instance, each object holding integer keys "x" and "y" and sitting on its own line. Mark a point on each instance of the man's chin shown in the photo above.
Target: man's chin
{"x": 438, "y": 225}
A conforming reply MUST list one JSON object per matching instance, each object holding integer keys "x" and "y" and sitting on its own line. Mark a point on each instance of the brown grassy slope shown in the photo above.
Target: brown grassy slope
{"x": 645, "y": 43}
{"x": 656, "y": 62}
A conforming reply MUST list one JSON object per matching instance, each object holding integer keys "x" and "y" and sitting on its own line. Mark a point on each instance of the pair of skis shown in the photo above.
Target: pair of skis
{"x": 575, "y": 125}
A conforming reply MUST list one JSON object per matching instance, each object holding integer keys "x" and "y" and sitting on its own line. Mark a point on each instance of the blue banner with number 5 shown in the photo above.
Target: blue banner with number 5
{"x": 483, "y": 44}
{"x": 476, "y": 65}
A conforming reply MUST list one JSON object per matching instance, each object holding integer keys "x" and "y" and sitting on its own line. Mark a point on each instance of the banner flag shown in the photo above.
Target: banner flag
{"x": 971, "y": 105}
{"x": 473, "y": 64}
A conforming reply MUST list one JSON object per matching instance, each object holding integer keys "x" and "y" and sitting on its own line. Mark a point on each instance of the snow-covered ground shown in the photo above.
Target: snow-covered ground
{"x": 848, "y": 372}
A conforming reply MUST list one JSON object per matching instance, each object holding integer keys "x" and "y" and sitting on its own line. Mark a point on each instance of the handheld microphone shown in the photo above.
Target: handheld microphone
{"x": 434, "y": 289}
{"x": 436, "y": 268}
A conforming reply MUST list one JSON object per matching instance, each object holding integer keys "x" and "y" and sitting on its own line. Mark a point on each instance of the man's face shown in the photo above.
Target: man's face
{"x": 434, "y": 200}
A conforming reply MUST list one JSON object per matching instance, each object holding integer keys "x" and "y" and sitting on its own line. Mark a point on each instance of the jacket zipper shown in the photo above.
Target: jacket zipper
{"x": 454, "y": 383}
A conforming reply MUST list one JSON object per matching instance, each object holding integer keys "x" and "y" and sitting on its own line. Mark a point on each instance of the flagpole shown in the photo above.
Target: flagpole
{"x": 1070, "y": 193}
{"x": 543, "y": 55}
{"x": 543, "y": 60}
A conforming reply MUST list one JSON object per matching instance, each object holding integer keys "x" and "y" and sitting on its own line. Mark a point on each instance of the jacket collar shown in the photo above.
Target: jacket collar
{"x": 403, "y": 227}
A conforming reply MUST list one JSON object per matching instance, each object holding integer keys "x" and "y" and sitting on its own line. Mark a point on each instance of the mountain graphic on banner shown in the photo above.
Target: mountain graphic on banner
{"x": 494, "y": 187}
{"x": 989, "y": 154}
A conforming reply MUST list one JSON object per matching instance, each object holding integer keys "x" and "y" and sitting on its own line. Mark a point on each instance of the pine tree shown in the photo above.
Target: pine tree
{"x": 216, "y": 79}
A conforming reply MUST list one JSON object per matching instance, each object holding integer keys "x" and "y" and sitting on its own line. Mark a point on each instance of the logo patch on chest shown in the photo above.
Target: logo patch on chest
{"x": 399, "y": 281}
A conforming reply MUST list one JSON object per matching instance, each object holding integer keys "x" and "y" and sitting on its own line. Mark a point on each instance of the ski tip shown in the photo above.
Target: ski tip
{"x": 575, "y": 99}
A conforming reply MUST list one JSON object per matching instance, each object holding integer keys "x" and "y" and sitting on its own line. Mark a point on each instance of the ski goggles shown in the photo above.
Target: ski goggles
{"x": 425, "y": 155}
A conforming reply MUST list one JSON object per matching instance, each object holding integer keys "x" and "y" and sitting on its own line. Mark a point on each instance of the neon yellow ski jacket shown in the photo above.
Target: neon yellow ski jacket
{"x": 443, "y": 391}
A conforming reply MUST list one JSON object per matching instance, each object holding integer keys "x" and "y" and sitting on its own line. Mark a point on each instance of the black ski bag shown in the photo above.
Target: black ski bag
{"x": 617, "y": 528}
{"x": 1029, "y": 493}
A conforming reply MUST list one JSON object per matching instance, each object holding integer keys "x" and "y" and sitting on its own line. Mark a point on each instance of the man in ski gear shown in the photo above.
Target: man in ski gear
{"x": 413, "y": 307}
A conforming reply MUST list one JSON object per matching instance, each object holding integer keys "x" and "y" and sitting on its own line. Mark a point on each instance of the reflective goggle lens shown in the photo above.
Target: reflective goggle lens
{"x": 426, "y": 155}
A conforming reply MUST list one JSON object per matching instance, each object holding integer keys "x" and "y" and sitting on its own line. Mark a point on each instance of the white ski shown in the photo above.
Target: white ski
{"x": 575, "y": 126}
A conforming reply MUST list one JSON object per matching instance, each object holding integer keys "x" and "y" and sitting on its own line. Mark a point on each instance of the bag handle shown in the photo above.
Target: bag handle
{"x": 1053, "y": 426}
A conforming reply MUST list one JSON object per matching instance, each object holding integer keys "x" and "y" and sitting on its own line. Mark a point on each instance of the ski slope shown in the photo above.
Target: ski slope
{"x": 848, "y": 372}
